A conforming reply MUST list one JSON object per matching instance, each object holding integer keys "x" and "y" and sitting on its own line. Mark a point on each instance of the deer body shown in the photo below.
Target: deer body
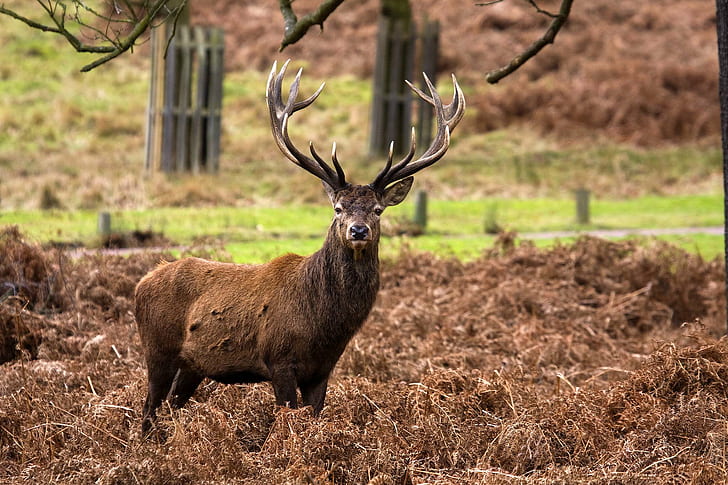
{"x": 255, "y": 323}
{"x": 287, "y": 321}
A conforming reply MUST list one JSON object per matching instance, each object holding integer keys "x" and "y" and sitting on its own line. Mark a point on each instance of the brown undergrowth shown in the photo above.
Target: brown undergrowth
{"x": 567, "y": 365}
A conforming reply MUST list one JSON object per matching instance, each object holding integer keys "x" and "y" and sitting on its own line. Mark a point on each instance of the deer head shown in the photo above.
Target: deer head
{"x": 357, "y": 208}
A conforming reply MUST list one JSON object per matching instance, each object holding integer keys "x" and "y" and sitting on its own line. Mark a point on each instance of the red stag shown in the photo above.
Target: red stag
{"x": 287, "y": 321}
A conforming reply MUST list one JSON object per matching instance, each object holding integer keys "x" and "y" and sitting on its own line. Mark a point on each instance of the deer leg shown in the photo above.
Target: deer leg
{"x": 160, "y": 376}
{"x": 284, "y": 386}
{"x": 186, "y": 383}
{"x": 314, "y": 394}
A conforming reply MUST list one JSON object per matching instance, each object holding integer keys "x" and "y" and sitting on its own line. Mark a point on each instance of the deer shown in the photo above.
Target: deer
{"x": 287, "y": 321}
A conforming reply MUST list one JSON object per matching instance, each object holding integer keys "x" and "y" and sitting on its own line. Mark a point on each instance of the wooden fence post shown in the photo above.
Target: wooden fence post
{"x": 420, "y": 218}
{"x": 582, "y": 206}
{"x": 104, "y": 225}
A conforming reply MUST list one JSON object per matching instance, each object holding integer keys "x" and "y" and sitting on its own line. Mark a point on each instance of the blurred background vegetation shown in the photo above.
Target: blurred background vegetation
{"x": 624, "y": 104}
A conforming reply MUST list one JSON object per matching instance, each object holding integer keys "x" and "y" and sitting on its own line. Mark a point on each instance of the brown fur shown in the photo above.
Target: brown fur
{"x": 287, "y": 321}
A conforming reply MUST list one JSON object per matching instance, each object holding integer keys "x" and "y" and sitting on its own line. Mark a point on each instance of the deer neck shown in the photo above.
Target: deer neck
{"x": 346, "y": 269}
{"x": 345, "y": 283}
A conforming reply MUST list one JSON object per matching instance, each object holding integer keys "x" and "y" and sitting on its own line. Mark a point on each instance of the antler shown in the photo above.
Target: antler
{"x": 448, "y": 116}
{"x": 279, "y": 114}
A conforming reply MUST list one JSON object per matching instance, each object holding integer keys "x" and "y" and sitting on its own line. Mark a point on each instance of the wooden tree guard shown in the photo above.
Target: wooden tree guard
{"x": 392, "y": 103}
{"x": 392, "y": 100}
{"x": 185, "y": 100}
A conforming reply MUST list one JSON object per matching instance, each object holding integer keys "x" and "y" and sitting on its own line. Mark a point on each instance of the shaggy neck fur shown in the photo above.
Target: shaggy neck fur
{"x": 342, "y": 287}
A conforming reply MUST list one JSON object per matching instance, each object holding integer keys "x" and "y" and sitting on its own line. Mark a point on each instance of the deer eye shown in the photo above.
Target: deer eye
{"x": 338, "y": 210}
{"x": 378, "y": 211}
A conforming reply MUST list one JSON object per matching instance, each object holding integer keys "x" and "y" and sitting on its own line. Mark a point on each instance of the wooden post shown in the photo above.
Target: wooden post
{"x": 170, "y": 95}
{"x": 104, "y": 224}
{"x": 181, "y": 107}
{"x": 429, "y": 49}
{"x": 214, "y": 99}
{"x": 582, "y": 206}
{"x": 199, "y": 41}
{"x": 420, "y": 218}
{"x": 156, "y": 100}
{"x": 377, "y": 119}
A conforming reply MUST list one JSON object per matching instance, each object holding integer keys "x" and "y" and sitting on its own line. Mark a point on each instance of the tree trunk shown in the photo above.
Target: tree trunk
{"x": 396, "y": 9}
{"x": 722, "y": 25}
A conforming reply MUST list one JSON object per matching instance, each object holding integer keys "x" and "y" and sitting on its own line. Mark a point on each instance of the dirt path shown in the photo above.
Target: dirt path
{"x": 611, "y": 233}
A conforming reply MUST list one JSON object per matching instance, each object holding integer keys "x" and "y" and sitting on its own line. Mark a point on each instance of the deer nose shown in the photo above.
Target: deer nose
{"x": 359, "y": 232}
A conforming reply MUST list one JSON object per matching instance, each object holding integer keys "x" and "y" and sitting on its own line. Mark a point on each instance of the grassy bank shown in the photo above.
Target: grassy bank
{"x": 454, "y": 227}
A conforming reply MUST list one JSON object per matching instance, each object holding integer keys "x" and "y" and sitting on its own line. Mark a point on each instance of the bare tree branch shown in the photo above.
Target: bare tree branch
{"x": 112, "y": 41}
{"x": 27, "y": 21}
{"x": 542, "y": 11}
{"x": 128, "y": 42}
{"x": 548, "y": 37}
{"x": 294, "y": 29}
{"x": 488, "y": 3}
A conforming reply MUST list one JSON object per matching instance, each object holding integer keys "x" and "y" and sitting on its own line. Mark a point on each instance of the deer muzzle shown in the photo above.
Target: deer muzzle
{"x": 358, "y": 235}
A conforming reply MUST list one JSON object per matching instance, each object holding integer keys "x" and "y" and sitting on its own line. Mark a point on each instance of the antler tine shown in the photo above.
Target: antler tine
{"x": 455, "y": 110}
{"x": 339, "y": 174}
{"x": 448, "y": 116}
{"x": 337, "y": 166}
{"x": 388, "y": 167}
{"x": 453, "y": 113}
{"x": 280, "y": 113}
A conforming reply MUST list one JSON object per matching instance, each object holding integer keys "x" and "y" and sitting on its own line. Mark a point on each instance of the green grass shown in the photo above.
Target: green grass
{"x": 182, "y": 225}
{"x": 541, "y": 214}
{"x": 446, "y": 218}
{"x": 455, "y": 228}
{"x": 706, "y": 245}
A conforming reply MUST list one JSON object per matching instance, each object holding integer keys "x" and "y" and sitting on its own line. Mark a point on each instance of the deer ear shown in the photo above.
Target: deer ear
{"x": 329, "y": 191}
{"x": 394, "y": 194}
